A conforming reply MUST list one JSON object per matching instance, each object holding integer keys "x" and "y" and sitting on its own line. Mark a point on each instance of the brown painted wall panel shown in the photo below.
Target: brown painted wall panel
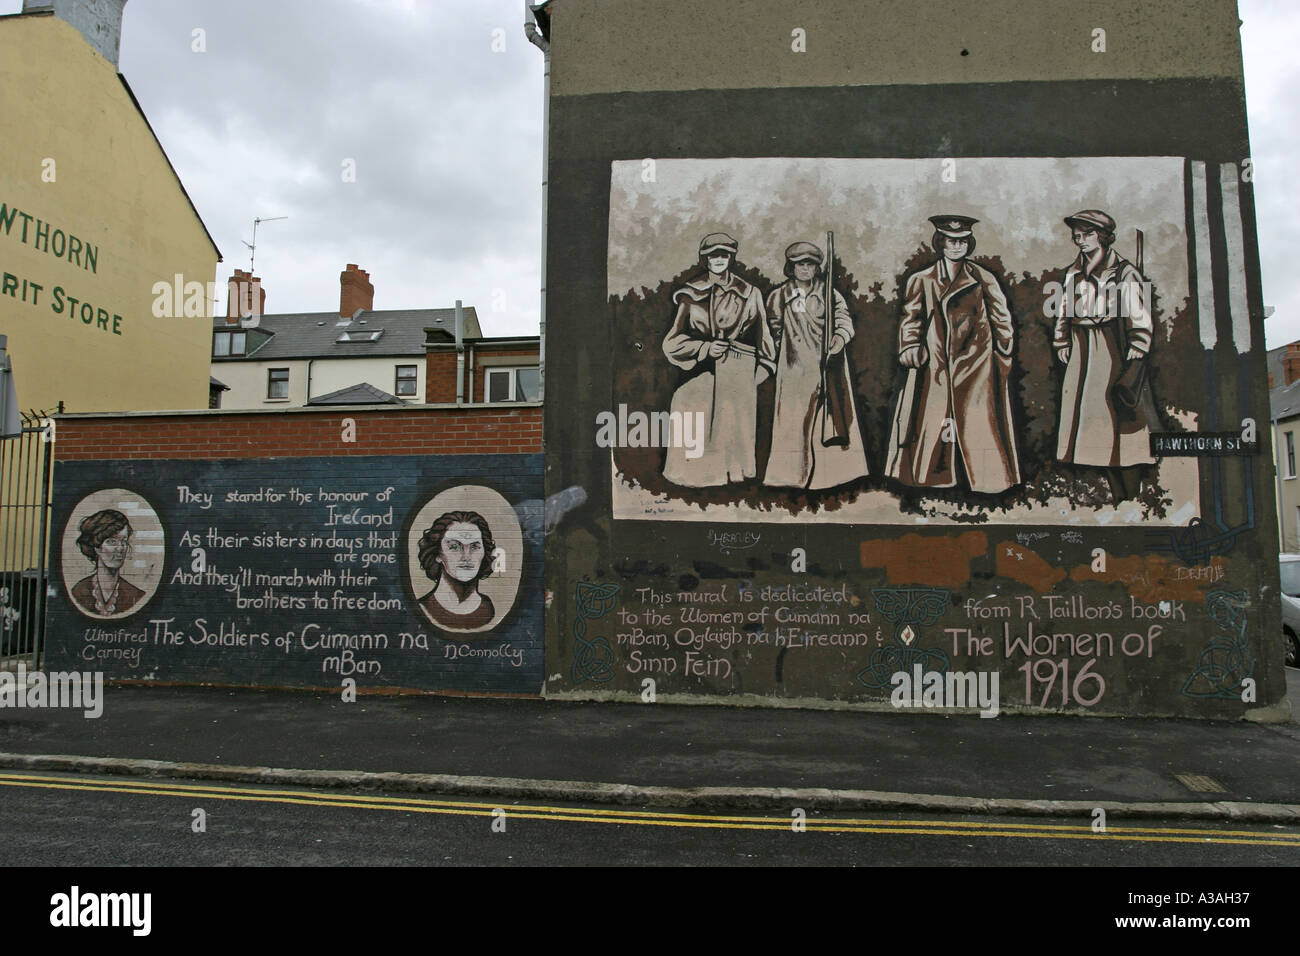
{"x": 611, "y": 46}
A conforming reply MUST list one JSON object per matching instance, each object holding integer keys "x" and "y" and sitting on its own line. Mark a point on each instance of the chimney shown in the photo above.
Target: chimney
{"x": 1291, "y": 362}
{"x": 244, "y": 296}
{"x": 99, "y": 21}
{"x": 355, "y": 291}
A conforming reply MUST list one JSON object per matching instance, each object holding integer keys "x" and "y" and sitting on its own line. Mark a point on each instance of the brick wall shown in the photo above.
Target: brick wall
{"x": 440, "y": 376}
{"x": 284, "y": 433}
{"x": 440, "y": 371}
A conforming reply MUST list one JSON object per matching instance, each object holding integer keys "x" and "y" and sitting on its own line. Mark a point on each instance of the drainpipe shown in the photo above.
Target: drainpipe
{"x": 1277, "y": 481}
{"x": 460, "y": 354}
{"x": 308, "y": 400}
{"x": 538, "y": 38}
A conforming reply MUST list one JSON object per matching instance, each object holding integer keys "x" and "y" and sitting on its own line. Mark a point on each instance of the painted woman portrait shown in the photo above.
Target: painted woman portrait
{"x": 720, "y": 339}
{"x": 815, "y": 437}
{"x": 952, "y": 419}
{"x": 1102, "y": 335}
{"x": 456, "y": 553}
{"x": 105, "y": 539}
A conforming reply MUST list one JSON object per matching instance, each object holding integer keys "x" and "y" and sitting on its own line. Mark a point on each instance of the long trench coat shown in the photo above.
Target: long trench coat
{"x": 1101, "y": 317}
{"x": 957, "y": 405}
{"x": 798, "y": 458}
{"x": 723, "y": 391}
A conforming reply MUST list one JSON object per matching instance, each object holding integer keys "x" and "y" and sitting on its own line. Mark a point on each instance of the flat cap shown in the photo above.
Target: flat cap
{"x": 803, "y": 252}
{"x": 716, "y": 241}
{"x": 1091, "y": 219}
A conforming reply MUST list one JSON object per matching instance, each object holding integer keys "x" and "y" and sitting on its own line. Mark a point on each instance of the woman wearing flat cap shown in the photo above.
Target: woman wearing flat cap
{"x": 815, "y": 437}
{"x": 1102, "y": 334}
{"x": 720, "y": 338}
{"x": 955, "y": 338}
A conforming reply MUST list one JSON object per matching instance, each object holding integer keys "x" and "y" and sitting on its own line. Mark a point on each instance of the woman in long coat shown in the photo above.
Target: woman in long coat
{"x": 720, "y": 336}
{"x": 955, "y": 339}
{"x": 810, "y": 449}
{"x": 1102, "y": 325}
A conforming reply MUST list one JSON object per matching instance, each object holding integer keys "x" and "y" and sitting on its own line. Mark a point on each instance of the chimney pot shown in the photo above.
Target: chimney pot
{"x": 356, "y": 293}
{"x": 99, "y": 21}
{"x": 1291, "y": 363}
{"x": 244, "y": 295}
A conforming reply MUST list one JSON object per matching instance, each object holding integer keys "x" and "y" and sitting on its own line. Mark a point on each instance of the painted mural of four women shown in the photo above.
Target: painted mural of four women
{"x": 952, "y": 423}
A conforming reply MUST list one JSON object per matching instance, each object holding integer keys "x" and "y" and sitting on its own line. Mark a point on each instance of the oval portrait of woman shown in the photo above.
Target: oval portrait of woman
{"x": 464, "y": 559}
{"x": 113, "y": 553}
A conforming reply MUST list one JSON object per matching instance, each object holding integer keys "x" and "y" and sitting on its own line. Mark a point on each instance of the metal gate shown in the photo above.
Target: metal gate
{"x": 25, "y": 482}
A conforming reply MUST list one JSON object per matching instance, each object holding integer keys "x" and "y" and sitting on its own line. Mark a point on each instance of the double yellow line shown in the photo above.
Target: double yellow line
{"x": 653, "y": 818}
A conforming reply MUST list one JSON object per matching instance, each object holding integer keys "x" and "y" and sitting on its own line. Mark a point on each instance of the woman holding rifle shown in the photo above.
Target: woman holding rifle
{"x": 815, "y": 438}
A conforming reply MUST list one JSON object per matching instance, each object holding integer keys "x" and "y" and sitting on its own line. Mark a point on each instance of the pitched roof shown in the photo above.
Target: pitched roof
{"x": 303, "y": 335}
{"x": 1284, "y": 401}
{"x": 363, "y": 393}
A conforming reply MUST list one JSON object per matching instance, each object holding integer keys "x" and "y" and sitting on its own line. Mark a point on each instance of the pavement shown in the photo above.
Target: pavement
{"x": 670, "y": 755}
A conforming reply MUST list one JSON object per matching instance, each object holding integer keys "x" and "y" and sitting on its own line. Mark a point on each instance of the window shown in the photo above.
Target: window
{"x": 406, "y": 380}
{"x": 229, "y": 343}
{"x": 514, "y": 384}
{"x": 362, "y": 336}
{"x": 1290, "y": 455}
{"x": 277, "y": 383}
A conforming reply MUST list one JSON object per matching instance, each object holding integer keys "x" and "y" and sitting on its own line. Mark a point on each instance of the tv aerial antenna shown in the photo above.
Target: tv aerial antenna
{"x": 252, "y": 246}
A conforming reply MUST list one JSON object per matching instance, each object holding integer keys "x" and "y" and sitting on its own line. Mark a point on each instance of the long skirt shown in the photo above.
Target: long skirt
{"x": 1092, "y": 430}
{"x": 726, "y": 401}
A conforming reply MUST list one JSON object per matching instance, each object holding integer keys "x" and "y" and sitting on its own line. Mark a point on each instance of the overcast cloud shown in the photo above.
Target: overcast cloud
{"x": 446, "y": 135}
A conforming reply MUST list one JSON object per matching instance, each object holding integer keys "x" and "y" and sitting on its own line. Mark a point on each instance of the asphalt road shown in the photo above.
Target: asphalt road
{"x": 71, "y": 821}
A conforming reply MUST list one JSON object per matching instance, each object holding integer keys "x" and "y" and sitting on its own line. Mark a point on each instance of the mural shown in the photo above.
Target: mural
{"x": 840, "y": 352}
{"x": 873, "y": 434}
{"x": 816, "y": 439}
{"x": 1103, "y": 336}
{"x": 394, "y": 572}
{"x": 952, "y": 420}
{"x": 118, "y": 532}
{"x": 474, "y": 563}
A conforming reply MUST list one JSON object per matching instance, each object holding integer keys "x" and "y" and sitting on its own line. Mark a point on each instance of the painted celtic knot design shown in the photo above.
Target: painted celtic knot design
{"x": 593, "y": 660}
{"x": 1226, "y": 661}
{"x": 907, "y": 609}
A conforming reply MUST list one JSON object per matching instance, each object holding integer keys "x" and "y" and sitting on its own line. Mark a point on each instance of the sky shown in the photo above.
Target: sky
{"x": 438, "y": 106}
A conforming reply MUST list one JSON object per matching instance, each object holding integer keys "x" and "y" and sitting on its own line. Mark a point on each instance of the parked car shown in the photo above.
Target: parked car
{"x": 1290, "y": 569}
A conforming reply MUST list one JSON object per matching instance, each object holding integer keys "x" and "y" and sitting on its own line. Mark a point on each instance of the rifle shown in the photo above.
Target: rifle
{"x": 1127, "y": 390}
{"x": 835, "y": 413}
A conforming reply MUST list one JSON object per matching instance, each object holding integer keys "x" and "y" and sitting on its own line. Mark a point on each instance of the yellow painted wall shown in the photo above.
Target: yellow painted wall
{"x": 114, "y": 189}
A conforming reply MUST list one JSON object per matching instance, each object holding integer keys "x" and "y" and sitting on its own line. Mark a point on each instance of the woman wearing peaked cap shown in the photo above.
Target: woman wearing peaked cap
{"x": 809, "y": 451}
{"x": 1102, "y": 334}
{"x": 955, "y": 339}
{"x": 720, "y": 337}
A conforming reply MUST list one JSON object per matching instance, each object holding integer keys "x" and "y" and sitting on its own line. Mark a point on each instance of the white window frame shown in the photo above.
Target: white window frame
{"x": 511, "y": 372}
{"x": 1288, "y": 455}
